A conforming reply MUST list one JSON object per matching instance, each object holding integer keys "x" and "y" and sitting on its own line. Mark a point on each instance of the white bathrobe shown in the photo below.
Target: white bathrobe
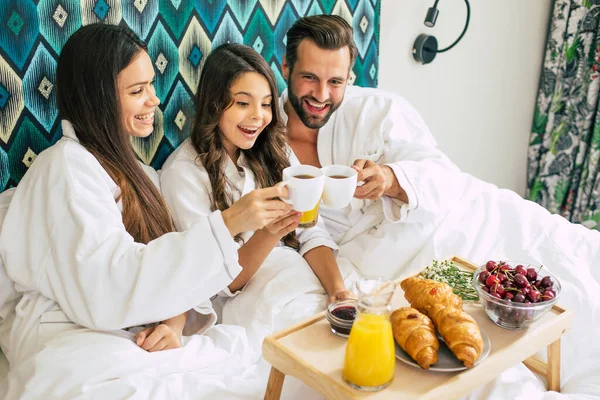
{"x": 8, "y": 298}
{"x": 382, "y": 127}
{"x": 284, "y": 290}
{"x": 83, "y": 278}
{"x": 8, "y": 294}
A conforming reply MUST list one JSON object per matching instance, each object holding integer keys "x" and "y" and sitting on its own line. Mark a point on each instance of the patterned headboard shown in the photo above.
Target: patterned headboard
{"x": 179, "y": 33}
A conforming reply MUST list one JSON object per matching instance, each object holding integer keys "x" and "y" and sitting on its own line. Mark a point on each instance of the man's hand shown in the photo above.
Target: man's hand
{"x": 159, "y": 337}
{"x": 376, "y": 181}
{"x": 379, "y": 180}
{"x": 341, "y": 295}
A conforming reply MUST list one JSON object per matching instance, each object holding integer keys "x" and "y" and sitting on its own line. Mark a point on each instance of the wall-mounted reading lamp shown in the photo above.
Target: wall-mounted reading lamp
{"x": 426, "y": 46}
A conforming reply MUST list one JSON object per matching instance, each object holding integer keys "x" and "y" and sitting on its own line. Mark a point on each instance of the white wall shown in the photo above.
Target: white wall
{"x": 478, "y": 98}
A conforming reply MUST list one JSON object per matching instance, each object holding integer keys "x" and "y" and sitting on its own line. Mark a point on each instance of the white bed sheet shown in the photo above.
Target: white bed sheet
{"x": 490, "y": 223}
{"x": 487, "y": 223}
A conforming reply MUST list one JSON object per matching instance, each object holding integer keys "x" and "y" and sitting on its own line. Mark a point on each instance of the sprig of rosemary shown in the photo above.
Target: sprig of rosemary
{"x": 458, "y": 279}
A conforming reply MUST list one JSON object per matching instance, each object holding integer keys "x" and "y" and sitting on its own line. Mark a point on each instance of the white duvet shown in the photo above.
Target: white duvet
{"x": 489, "y": 223}
{"x": 486, "y": 223}
{"x": 498, "y": 224}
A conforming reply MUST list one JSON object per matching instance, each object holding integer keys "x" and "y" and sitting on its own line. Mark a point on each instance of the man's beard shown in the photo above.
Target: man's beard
{"x": 310, "y": 121}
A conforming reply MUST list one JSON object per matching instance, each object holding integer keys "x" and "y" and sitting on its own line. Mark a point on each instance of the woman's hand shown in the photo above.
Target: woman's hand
{"x": 284, "y": 224}
{"x": 158, "y": 337}
{"x": 256, "y": 209}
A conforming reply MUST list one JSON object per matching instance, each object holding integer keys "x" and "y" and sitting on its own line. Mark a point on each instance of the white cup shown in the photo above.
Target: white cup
{"x": 340, "y": 184}
{"x": 305, "y": 186}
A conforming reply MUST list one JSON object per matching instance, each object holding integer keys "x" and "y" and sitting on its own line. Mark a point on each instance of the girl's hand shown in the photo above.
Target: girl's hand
{"x": 159, "y": 337}
{"x": 341, "y": 295}
{"x": 284, "y": 224}
{"x": 256, "y": 209}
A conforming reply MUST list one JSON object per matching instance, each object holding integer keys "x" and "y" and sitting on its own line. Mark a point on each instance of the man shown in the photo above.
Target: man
{"x": 406, "y": 179}
{"x": 404, "y": 214}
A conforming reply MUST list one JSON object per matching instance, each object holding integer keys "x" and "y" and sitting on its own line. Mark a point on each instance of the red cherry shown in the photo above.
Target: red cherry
{"x": 483, "y": 275}
{"x": 490, "y": 265}
{"x": 505, "y": 267}
{"x": 548, "y": 295}
{"x": 525, "y": 290}
{"x": 534, "y": 296}
{"x": 519, "y": 269}
{"x": 531, "y": 274}
{"x": 491, "y": 281}
{"x": 498, "y": 289}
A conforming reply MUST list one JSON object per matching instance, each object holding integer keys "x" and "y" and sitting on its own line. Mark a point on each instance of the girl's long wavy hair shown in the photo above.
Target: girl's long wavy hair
{"x": 88, "y": 97}
{"x": 268, "y": 157}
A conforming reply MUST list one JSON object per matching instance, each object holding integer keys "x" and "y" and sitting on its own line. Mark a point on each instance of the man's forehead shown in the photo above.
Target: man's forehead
{"x": 311, "y": 58}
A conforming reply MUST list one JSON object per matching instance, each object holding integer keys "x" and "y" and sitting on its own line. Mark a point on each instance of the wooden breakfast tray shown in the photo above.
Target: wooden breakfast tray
{"x": 311, "y": 353}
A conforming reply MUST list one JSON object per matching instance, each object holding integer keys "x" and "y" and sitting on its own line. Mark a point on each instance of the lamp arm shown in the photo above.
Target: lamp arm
{"x": 463, "y": 32}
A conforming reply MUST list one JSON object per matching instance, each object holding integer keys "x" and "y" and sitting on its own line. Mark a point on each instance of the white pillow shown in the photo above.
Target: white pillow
{"x": 7, "y": 288}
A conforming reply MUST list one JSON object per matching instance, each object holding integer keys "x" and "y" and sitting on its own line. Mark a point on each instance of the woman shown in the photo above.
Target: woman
{"x": 87, "y": 241}
{"x": 237, "y": 144}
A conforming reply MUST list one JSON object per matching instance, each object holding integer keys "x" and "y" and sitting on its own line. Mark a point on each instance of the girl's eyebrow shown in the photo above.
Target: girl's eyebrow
{"x": 250, "y": 95}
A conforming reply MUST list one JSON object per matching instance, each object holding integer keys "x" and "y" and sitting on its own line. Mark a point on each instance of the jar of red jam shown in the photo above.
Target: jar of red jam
{"x": 340, "y": 315}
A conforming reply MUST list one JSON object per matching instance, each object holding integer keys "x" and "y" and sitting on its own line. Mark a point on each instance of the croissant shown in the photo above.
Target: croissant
{"x": 423, "y": 293}
{"x": 415, "y": 333}
{"x": 458, "y": 329}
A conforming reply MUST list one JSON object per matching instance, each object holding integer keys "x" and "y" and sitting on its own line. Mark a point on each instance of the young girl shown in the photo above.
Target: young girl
{"x": 87, "y": 242}
{"x": 238, "y": 144}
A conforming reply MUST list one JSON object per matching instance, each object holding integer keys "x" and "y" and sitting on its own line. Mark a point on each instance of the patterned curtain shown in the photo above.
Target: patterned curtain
{"x": 179, "y": 33}
{"x": 564, "y": 152}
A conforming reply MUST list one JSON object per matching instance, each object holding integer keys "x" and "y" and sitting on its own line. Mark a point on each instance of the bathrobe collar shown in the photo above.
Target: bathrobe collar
{"x": 233, "y": 174}
{"x": 68, "y": 130}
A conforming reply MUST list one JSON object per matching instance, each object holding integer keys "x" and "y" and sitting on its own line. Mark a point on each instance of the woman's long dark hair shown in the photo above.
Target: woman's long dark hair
{"x": 268, "y": 157}
{"x": 88, "y": 97}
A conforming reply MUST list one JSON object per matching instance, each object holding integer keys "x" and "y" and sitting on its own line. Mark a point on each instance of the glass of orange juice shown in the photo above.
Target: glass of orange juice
{"x": 309, "y": 218}
{"x": 370, "y": 355}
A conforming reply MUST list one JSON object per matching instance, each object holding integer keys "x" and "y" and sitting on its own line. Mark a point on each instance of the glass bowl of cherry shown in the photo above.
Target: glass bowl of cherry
{"x": 341, "y": 315}
{"x": 514, "y": 294}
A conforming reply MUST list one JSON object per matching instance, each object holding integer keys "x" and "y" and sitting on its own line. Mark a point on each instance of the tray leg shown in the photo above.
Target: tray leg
{"x": 274, "y": 385}
{"x": 553, "y": 374}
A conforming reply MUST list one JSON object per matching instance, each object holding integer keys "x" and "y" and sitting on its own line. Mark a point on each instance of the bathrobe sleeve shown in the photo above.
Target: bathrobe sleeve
{"x": 393, "y": 133}
{"x": 316, "y": 236}
{"x": 185, "y": 188}
{"x": 64, "y": 237}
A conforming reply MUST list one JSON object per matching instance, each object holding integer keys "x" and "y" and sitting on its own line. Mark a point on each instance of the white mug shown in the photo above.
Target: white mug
{"x": 340, "y": 184}
{"x": 305, "y": 186}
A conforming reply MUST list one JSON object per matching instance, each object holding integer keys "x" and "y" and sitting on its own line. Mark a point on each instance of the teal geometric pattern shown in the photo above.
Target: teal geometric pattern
{"x": 58, "y": 20}
{"x": 40, "y": 98}
{"x": 179, "y": 33}
{"x": 162, "y": 49}
{"x": 3, "y": 168}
